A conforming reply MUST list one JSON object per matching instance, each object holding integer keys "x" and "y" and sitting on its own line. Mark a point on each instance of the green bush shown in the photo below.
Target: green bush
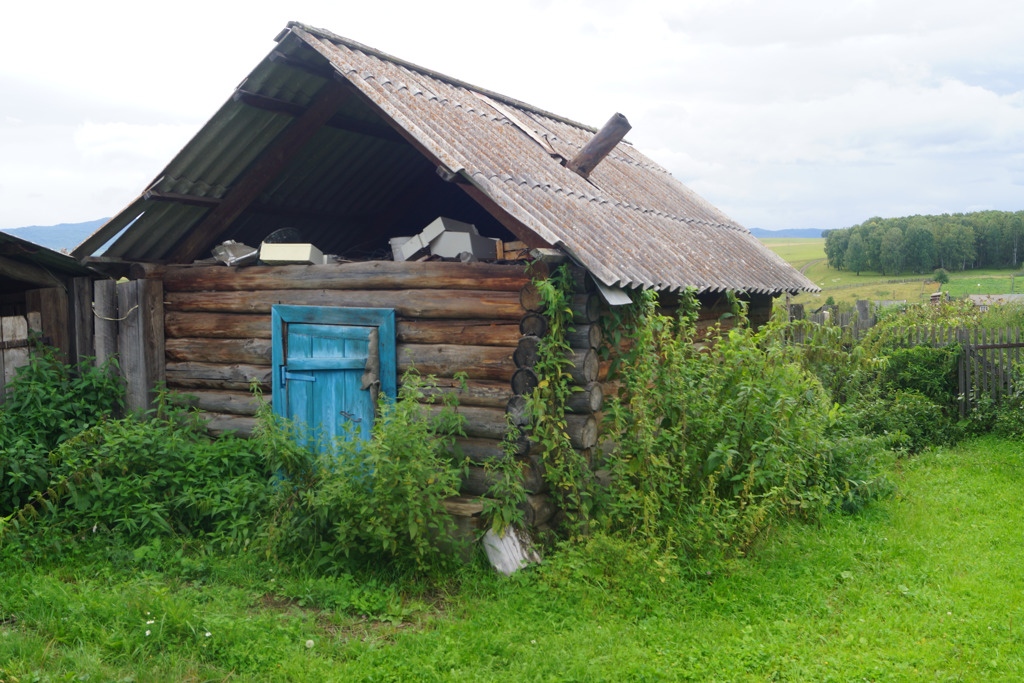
{"x": 145, "y": 478}
{"x": 931, "y": 372}
{"x": 364, "y": 500}
{"x": 47, "y": 403}
{"x": 909, "y": 419}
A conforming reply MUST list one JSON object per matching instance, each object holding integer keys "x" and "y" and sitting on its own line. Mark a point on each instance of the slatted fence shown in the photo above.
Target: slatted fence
{"x": 989, "y": 358}
{"x": 14, "y": 348}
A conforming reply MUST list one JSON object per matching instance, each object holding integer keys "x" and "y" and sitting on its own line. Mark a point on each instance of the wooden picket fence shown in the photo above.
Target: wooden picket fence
{"x": 989, "y": 358}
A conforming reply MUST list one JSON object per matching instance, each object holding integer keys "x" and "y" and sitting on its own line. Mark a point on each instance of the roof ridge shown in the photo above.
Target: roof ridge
{"x": 355, "y": 45}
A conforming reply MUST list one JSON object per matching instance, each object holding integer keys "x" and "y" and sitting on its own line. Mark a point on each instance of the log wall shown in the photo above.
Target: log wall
{"x": 484, "y": 320}
{"x": 450, "y": 318}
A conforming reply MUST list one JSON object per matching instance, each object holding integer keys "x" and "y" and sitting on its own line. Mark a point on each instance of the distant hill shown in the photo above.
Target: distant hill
{"x": 789, "y": 232}
{"x": 57, "y": 237}
{"x": 70, "y": 235}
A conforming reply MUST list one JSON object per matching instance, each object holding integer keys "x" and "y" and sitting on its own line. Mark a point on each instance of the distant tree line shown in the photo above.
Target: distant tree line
{"x": 920, "y": 244}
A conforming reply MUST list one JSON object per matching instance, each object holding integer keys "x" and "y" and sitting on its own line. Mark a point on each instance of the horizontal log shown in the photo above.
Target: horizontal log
{"x": 229, "y": 402}
{"x": 459, "y": 506}
{"x": 216, "y": 376}
{"x": 179, "y": 324}
{"x": 489, "y": 393}
{"x": 257, "y": 326}
{"x": 445, "y": 360}
{"x": 471, "y": 332}
{"x": 234, "y": 351}
{"x": 482, "y": 451}
{"x": 480, "y": 422}
{"x": 478, "y": 481}
{"x": 537, "y": 509}
{"x": 410, "y": 303}
{"x": 395, "y": 275}
{"x": 218, "y": 424}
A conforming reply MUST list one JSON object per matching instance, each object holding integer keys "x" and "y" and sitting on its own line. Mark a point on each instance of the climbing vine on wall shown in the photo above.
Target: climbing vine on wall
{"x": 566, "y": 471}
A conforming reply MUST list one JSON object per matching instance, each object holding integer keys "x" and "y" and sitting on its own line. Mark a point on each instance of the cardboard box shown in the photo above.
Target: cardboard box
{"x": 283, "y": 254}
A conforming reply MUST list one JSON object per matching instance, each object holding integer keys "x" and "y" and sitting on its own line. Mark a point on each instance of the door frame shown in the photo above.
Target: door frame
{"x": 381, "y": 318}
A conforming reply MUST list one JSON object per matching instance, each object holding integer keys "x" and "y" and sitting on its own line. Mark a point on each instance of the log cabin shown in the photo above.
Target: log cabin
{"x": 351, "y": 148}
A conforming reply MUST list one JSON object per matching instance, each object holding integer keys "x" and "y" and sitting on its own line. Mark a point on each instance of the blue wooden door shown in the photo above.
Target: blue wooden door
{"x": 329, "y": 364}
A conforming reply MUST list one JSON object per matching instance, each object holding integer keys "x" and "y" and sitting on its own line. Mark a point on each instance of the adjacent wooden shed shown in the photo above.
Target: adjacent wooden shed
{"x": 352, "y": 147}
{"x": 47, "y": 293}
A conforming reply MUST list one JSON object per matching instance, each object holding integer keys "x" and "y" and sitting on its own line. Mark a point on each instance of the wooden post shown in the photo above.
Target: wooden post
{"x": 81, "y": 319}
{"x": 13, "y": 329}
{"x": 141, "y": 340}
{"x": 104, "y": 313}
{"x": 48, "y": 315}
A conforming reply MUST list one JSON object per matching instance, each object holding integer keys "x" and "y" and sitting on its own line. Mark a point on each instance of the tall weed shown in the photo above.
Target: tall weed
{"x": 714, "y": 443}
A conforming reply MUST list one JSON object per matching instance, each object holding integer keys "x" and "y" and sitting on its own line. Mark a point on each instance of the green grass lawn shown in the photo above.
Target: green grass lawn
{"x": 924, "y": 585}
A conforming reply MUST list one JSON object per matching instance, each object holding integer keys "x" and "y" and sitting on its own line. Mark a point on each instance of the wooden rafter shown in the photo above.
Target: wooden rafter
{"x": 262, "y": 171}
{"x": 339, "y": 121}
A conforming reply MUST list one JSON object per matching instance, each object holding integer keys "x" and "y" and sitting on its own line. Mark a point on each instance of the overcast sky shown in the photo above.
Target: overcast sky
{"x": 783, "y": 113}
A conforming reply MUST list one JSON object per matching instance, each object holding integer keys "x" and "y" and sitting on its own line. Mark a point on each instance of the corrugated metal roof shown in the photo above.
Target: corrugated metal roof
{"x": 57, "y": 264}
{"x": 631, "y": 224}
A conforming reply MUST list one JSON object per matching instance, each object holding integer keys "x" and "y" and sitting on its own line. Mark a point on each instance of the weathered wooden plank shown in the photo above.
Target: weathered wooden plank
{"x": 105, "y": 320}
{"x": 81, "y": 319}
{"x": 48, "y": 315}
{"x": 412, "y": 303}
{"x": 360, "y": 275}
{"x": 141, "y": 341}
{"x": 12, "y": 329}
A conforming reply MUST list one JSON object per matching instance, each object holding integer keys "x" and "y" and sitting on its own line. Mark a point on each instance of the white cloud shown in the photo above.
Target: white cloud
{"x": 785, "y": 113}
{"x": 103, "y": 143}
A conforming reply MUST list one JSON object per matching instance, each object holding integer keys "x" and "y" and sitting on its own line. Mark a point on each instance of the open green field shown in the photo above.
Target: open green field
{"x": 924, "y": 585}
{"x": 797, "y": 251}
{"x": 844, "y": 286}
